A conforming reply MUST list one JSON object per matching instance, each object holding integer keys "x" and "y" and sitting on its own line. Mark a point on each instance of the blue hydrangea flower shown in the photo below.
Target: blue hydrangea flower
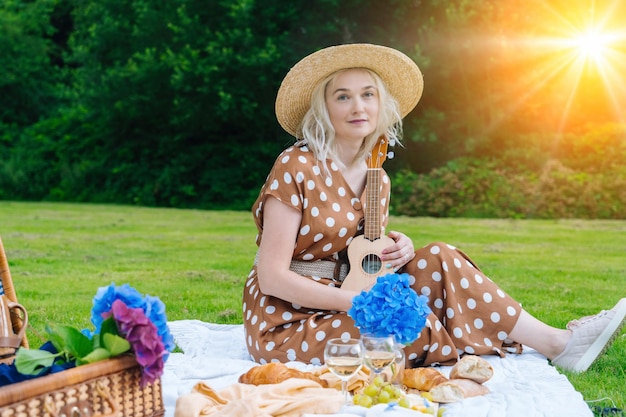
{"x": 391, "y": 307}
{"x": 153, "y": 308}
{"x": 105, "y": 296}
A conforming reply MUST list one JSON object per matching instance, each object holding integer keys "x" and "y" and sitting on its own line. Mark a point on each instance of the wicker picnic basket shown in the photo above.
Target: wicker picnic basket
{"x": 110, "y": 388}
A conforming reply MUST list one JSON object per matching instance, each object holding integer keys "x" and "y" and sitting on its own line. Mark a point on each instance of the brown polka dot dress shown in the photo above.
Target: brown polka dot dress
{"x": 470, "y": 314}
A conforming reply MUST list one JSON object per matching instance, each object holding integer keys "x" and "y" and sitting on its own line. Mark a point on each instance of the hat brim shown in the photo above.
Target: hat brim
{"x": 400, "y": 74}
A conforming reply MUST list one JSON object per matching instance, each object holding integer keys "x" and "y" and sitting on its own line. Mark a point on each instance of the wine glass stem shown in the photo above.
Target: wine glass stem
{"x": 344, "y": 390}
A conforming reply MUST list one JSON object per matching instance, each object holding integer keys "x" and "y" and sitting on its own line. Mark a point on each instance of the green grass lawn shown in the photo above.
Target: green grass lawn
{"x": 196, "y": 262}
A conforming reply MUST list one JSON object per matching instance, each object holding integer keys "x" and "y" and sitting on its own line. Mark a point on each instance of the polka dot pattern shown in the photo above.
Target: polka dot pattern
{"x": 470, "y": 313}
{"x": 467, "y": 314}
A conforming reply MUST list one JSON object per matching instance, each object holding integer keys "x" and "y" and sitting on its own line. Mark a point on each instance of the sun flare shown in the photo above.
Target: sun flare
{"x": 592, "y": 44}
{"x": 588, "y": 58}
{"x": 574, "y": 59}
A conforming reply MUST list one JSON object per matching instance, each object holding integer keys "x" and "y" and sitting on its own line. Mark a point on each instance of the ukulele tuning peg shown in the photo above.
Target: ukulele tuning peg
{"x": 390, "y": 155}
{"x": 392, "y": 142}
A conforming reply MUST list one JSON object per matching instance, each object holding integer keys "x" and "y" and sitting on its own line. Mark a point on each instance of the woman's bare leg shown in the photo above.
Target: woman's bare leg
{"x": 545, "y": 339}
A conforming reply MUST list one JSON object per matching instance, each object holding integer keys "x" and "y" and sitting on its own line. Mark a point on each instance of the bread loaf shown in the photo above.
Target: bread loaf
{"x": 422, "y": 379}
{"x": 275, "y": 373}
{"x": 456, "y": 390}
{"x": 472, "y": 367}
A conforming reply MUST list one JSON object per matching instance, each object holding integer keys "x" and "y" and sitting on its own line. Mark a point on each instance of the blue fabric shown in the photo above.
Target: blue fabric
{"x": 10, "y": 375}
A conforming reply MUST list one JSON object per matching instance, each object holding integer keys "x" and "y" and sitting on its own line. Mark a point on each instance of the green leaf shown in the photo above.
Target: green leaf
{"x": 96, "y": 355}
{"x": 108, "y": 326}
{"x": 115, "y": 344}
{"x": 56, "y": 339}
{"x": 70, "y": 341}
{"x": 32, "y": 361}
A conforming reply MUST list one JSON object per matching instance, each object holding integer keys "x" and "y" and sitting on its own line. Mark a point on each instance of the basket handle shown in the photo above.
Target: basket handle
{"x": 13, "y": 322}
{"x": 82, "y": 408}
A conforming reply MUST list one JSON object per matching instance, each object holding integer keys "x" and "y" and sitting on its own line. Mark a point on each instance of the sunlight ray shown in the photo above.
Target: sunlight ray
{"x": 583, "y": 52}
{"x": 614, "y": 83}
{"x": 566, "y": 71}
{"x": 545, "y": 74}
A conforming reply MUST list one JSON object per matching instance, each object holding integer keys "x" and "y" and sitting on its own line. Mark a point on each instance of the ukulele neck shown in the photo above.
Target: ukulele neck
{"x": 372, "y": 229}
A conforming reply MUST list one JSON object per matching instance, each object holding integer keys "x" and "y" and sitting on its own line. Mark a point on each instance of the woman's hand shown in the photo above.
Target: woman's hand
{"x": 400, "y": 253}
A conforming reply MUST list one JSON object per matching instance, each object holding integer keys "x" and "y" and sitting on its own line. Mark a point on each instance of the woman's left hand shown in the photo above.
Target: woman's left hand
{"x": 400, "y": 253}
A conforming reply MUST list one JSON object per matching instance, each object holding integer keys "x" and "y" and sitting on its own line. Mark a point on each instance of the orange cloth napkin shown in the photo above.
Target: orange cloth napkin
{"x": 292, "y": 397}
{"x": 356, "y": 384}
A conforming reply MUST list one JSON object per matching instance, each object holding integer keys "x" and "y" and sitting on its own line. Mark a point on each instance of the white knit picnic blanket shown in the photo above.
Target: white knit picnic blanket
{"x": 523, "y": 385}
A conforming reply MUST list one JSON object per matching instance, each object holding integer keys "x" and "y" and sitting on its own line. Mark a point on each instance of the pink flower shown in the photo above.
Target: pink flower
{"x": 143, "y": 336}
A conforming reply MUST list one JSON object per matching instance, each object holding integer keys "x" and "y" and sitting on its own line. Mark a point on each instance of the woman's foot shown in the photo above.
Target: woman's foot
{"x": 591, "y": 336}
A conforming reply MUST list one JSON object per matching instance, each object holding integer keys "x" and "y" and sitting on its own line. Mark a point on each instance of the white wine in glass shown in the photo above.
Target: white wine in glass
{"x": 344, "y": 358}
{"x": 379, "y": 352}
{"x": 379, "y": 360}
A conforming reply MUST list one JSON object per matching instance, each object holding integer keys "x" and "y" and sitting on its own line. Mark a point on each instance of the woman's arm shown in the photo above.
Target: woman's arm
{"x": 281, "y": 225}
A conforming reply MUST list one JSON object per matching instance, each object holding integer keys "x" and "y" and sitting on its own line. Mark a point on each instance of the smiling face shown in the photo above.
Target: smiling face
{"x": 352, "y": 101}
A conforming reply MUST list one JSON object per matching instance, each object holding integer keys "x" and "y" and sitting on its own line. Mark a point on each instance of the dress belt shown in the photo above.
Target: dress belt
{"x": 320, "y": 268}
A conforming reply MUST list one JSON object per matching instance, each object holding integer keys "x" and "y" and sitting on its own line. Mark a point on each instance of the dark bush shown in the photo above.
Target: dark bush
{"x": 477, "y": 188}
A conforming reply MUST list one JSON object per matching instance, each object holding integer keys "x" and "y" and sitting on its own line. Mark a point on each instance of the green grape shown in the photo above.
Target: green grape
{"x": 380, "y": 392}
{"x": 404, "y": 402}
{"x": 365, "y": 401}
{"x": 383, "y": 397}
{"x": 371, "y": 390}
{"x": 398, "y": 392}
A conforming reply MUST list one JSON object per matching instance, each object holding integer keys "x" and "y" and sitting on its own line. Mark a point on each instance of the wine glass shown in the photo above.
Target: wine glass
{"x": 344, "y": 358}
{"x": 379, "y": 351}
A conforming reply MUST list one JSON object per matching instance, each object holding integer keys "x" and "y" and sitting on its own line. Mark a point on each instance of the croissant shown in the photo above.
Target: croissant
{"x": 275, "y": 373}
{"x": 472, "y": 367}
{"x": 422, "y": 379}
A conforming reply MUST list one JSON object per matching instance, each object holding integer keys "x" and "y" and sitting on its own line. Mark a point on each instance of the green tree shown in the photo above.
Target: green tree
{"x": 178, "y": 96}
{"x": 28, "y": 77}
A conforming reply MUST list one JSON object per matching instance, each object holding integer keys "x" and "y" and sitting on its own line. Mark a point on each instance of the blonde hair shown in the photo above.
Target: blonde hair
{"x": 318, "y": 132}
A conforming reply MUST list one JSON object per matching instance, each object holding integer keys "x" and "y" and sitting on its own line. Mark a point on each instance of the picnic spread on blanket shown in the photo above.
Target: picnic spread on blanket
{"x": 276, "y": 389}
{"x": 205, "y": 381}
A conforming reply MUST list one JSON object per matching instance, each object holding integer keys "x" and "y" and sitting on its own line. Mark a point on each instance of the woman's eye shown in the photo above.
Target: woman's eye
{"x": 369, "y": 94}
{"x": 342, "y": 97}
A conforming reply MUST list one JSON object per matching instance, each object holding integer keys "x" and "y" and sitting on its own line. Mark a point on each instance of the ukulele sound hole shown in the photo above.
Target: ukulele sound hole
{"x": 371, "y": 264}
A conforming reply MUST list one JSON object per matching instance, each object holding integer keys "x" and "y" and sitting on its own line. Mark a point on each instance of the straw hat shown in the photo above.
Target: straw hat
{"x": 399, "y": 73}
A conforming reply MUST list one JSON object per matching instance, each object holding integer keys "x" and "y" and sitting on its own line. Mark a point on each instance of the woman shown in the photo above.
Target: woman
{"x": 337, "y": 102}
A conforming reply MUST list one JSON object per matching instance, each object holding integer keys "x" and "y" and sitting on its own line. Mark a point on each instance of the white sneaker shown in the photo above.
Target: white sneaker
{"x": 591, "y": 336}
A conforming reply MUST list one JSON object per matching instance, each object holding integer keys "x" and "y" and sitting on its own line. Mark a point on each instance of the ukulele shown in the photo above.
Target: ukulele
{"x": 365, "y": 250}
